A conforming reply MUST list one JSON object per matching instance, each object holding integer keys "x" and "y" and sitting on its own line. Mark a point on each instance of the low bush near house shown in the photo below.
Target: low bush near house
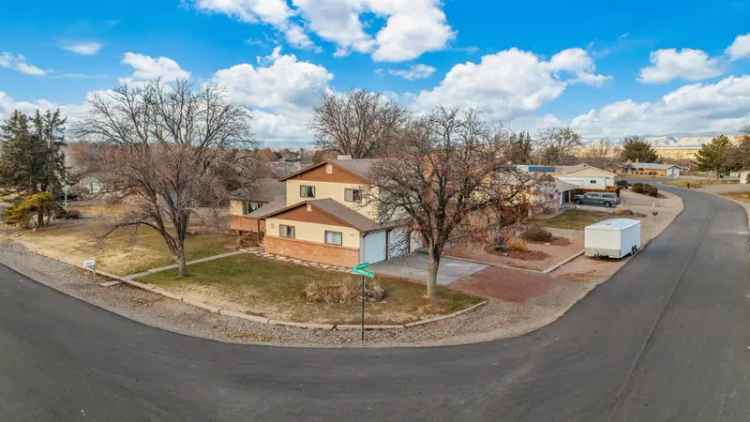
{"x": 344, "y": 293}
{"x": 645, "y": 189}
{"x": 518, "y": 245}
{"x": 536, "y": 234}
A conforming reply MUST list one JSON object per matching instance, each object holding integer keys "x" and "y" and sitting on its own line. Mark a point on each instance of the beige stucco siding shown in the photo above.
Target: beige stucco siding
{"x": 314, "y": 232}
{"x": 330, "y": 190}
{"x": 235, "y": 207}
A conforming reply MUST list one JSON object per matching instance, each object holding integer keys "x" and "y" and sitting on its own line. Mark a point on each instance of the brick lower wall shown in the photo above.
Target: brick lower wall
{"x": 314, "y": 252}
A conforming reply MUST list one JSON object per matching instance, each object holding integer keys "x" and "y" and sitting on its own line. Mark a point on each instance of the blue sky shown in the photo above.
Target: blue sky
{"x": 608, "y": 69}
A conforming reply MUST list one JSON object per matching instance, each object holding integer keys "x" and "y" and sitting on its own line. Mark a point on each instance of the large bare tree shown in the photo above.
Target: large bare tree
{"x": 448, "y": 181}
{"x": 558, "y": 145}
{"x": 169, "y": 149}
{"x": 361, "y": 124}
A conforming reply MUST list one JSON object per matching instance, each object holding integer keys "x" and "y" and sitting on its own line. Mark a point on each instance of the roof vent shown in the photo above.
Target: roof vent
{"x": 343, "y": 157}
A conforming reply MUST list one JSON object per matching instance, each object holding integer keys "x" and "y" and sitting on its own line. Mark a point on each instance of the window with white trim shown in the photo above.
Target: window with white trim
{"x": 307, "y": 191}
{"x": 286, "y": 232}
{"x": 334, "y": 238}
{"x": 353, "y": 195}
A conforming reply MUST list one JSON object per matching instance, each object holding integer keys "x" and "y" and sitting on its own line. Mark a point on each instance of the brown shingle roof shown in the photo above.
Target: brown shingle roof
{"x": 345, "y": 214}
{"x": 359, "y": 167}
{"x": 263, "y": 190}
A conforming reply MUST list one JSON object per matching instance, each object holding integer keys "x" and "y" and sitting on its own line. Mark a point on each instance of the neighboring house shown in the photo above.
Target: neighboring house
{"x": 567, "y": 181}
{"x": 586, "y": 177}
{"x": 324, "y": 217}
{"x": 651, "y": 169}
{"x": 247, "y": 204}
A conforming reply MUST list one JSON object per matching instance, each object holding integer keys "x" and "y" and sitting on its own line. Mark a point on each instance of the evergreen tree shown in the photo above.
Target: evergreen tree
{"x": 32, "y": 159}
{"x": 716, "y": 156}
{"x": 636, "y": 149}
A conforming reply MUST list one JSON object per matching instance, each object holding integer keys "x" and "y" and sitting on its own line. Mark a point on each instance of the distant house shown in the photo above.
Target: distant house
{"x": 247, "y": 204}
{"x": 322, "y": 216}
{"x": 586, "y": 178}
{"x": 651, "y": 169}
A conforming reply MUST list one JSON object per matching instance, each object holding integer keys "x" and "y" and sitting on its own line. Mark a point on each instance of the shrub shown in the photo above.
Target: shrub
{"x": 342, "y": 293}
{"x": 622, "y": 184}
{"x": 645, "y": 189}
{"x": 536, "y": 234}
{"x": 500, "y": 244}
{"x": 518, "y": 245}
{"x": 20, "y": 214}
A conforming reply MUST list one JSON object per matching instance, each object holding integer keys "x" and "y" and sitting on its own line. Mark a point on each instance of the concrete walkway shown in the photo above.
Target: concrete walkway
{"x": 417, "y": 267}
{"x": 174, "y": 266}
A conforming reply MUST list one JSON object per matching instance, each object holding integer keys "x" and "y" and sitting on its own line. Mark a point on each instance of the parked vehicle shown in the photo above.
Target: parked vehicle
{"x": 606, "y": 199}
{"x": 613, "y": 238}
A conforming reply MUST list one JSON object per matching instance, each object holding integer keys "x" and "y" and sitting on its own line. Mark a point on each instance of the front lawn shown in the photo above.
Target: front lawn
{"x": 574, "y": 219}
{"x": 275, "y": 290}
{"x": 124, "y": 252}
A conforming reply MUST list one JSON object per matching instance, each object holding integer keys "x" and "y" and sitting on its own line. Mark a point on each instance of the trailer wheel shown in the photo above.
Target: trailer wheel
{"x": 634, "y": 251}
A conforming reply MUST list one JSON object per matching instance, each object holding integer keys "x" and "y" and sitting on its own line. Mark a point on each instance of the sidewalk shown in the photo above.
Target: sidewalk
{"x": 174, "y": 266}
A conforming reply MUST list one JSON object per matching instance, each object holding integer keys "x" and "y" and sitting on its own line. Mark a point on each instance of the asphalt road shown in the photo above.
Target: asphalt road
{"x": 666, "y": 340}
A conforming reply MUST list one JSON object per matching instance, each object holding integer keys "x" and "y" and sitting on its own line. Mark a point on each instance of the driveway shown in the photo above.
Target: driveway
{"x": 665, "y": 340}
{"x": 417, "y": 267}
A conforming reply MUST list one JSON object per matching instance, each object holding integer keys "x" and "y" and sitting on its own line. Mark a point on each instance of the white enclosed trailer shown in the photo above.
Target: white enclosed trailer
{"x": 613, "y": 238}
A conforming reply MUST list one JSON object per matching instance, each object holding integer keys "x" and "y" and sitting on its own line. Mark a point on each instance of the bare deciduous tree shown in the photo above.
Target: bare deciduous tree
{"x": 448, "y": 181}
{"x": 169, "y": 150}
{"x": 360, "y": 123}
{"x": 602, "y": 154}
{"x": 558, "y": 145}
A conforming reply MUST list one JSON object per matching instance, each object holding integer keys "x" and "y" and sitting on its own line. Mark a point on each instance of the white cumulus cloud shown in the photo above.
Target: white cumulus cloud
{"x": 18, "y": 63}
{"x": 281, "y": 91}
{"x": 511, "y": 83}
{"x": 410, "y": 28}
{"x": 721, "y": 106}
{"x": 147, "y": 68}
{"x": 740, "y": 48}
{"x": 276, "y": 13}
{"x": 83, "y": 48}
{"x": 686, "y": 64}
{"x": 413, "y": 73}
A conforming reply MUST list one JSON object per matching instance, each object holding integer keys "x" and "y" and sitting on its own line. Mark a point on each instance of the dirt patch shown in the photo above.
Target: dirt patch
{"x": 505, "y": 284}
{"x": 529, "y": 255}
{"x": 556, "y": 241}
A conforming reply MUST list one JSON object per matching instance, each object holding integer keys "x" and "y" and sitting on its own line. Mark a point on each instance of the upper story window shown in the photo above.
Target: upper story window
{"x": 306, "y": 191}
{"x": 353, "y": 195}
{"x": 593, "y": 182}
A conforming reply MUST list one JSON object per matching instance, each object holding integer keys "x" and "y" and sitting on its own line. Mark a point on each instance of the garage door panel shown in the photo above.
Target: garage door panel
{"x": 374, "y": 244}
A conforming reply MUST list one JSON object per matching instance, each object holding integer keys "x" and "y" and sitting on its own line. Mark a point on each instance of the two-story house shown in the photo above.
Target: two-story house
{"x": 324, "y": 217}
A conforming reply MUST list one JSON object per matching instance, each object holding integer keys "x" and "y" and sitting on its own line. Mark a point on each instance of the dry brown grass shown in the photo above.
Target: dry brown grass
{"x": 276, "y": 290}
{"x": 124, "y": 252}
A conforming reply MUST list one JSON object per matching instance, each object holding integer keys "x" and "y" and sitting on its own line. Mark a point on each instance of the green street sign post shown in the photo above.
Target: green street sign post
{"x": 362, "y": 270}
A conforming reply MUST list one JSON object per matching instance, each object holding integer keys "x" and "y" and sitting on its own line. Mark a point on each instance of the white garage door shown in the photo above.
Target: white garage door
{"x": 398, "y": 243}
{"x": 374, "y": 247}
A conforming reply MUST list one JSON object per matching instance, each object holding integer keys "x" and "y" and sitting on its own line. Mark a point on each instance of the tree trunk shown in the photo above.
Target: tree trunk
{"x": 181, "y": 265}
{"x": 432, "y": 281}
{"x": 40, "y": 218}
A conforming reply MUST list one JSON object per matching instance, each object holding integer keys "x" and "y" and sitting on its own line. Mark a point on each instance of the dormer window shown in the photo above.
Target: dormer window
{"x": 306, "y": 191}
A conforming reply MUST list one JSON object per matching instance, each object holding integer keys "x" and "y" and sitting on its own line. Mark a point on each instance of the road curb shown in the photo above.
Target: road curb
{"x": 563, "y": 262}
